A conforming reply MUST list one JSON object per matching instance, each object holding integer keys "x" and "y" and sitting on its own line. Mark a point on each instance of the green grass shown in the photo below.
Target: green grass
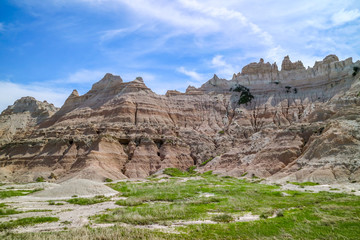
{"x": 88, "y": 201}
{"x": 26, "y": 222}
{"x": 14, "y": 193}
{"x": 8, "y": 211}
{"x": 174, "y": 200}
{"x": 55, "y": 203}
{"x": 205, "y": 162}
{"x": 174, "y": 172}
{"x": 303, "y": 184}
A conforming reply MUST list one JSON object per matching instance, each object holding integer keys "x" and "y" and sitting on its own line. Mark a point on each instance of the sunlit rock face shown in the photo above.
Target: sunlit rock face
{"x": 302, "y": 124}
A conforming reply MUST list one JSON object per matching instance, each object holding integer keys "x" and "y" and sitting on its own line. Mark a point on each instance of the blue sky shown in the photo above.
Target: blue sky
{"x": 48, "y": 48}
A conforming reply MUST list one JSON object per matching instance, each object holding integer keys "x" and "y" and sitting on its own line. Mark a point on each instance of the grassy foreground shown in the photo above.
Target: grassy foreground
{"x": 283, "y": 214}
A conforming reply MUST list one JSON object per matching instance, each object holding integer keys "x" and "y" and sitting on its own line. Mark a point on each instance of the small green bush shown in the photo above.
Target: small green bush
{"x": 108, "y": 180}
{"x": 245, "y": 94}
{"x": 224, "y": 218}
{"x": 40, "y": 179}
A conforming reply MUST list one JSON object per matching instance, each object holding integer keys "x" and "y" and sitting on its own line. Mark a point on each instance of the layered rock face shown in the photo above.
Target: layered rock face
{"x": 296, "y": 127}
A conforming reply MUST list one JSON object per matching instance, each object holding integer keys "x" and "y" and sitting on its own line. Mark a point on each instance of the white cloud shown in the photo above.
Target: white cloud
{"x": 83, "y": 76}
{"x": 194, "y": 75}
{"x": 239, "y": 32}
{"x": 1, "y": 27}
{"x": 344, "y": 16}
{"x": 221, "y": 14}
{"x": 110, "y": 34}
{"x": 10, "y": 92}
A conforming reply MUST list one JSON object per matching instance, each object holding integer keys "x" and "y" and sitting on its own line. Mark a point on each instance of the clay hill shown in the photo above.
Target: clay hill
{"x": 293, "y": 124}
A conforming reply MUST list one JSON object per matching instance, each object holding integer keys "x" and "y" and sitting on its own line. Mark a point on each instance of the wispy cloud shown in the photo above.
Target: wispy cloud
{"x": 192, "y": 74}
{"x": 110, "y": 34}
{"x": 345, "y": 16}
{"x": 2, "y": 28}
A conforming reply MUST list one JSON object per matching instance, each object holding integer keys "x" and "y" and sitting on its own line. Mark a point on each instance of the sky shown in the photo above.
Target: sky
{"x": 48, "y": 48}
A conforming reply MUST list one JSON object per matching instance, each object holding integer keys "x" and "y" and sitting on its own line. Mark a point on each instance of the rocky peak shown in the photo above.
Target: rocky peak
{"x": 330, "y": 58}
{"x": 287, "y": 65}
{"x": 108, "y": 81}
{"x": 190, "y": 88}
{"x": 257, "y": 68}
{"x": 29, "y": 104}
{"x": 139, "y": 79}
{"x": 74, "y": 93}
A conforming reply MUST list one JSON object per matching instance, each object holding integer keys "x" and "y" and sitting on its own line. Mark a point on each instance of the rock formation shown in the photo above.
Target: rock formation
{"x": 302, "y": 124}
{"x": 24, "y": 114}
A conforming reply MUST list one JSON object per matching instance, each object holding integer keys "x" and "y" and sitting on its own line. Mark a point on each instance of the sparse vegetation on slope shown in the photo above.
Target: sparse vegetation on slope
{"x": 88, "y": 201}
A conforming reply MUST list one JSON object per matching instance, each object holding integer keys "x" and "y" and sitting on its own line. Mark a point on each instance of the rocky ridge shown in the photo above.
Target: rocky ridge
{"x": 302, "y": 124}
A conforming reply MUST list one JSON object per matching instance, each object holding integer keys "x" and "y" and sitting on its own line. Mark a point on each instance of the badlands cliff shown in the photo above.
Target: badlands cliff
{"x": 300, "y": 125}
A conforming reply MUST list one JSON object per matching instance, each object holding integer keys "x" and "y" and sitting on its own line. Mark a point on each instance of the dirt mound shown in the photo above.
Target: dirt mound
{"x": 79, "y": 187}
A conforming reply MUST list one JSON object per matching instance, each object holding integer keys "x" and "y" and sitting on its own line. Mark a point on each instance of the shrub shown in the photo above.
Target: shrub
{"x": 225, "y": 218}
{"x": 245, "y": 94}
{"x": 356, "y": 70}
{"x": 287, "y": 89}
{"x": 108, "y": 180}
{"x": 53, "y": 176}
{"x": 40, "y": 179}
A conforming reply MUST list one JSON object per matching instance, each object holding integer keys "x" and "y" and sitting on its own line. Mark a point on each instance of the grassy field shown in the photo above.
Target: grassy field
{"x": 222, "y": 201}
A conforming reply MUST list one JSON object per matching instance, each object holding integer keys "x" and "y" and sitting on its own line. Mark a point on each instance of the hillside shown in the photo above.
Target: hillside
{"x": 291, "y": 124}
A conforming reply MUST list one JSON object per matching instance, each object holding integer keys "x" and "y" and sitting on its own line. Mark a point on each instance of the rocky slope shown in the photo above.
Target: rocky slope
{"x": 301, "y": 124}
